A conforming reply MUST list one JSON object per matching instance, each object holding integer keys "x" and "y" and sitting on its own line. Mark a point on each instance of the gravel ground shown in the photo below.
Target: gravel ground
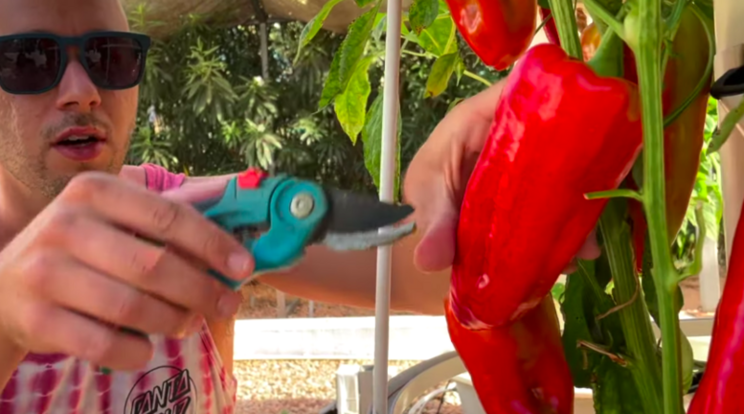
{"x": 260, "y": 303}
{"x": 301, "y": 386}
{"x": 304, "y": 386}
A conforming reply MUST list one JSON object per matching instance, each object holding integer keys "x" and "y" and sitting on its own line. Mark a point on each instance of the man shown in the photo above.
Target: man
{"x": 72, "y": 271}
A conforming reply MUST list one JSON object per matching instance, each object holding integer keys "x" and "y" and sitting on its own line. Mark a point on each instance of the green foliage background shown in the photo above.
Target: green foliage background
{"x": 205, "y": 110}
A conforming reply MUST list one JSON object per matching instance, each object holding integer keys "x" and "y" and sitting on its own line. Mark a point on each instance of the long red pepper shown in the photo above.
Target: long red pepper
{"x": 723, "y": 379}
{"x": 519, "y": 368}
{"x": 562, "y": 132}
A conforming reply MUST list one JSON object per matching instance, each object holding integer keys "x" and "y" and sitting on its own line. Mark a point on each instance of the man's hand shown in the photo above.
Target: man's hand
{"x": 438, "y": 175}
{"x": 77, "y": 272}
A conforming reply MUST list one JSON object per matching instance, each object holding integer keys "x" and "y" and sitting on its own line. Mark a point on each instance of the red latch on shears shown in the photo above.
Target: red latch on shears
{"x": 251, "y": 178}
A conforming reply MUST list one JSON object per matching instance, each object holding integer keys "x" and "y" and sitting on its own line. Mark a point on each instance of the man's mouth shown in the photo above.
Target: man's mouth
{"x": 80, "y": 143}
{"x": 78, "y": 140}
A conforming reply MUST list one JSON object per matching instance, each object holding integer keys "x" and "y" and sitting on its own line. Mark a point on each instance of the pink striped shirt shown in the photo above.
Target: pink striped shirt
{"x": 184, "y": 377}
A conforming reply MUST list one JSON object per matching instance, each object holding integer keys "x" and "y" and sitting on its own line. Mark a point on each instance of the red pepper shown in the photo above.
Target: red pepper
{"x": 551, "y": 31}
{"x": 497, "y": 31}
{"x": 560, "y": 131}
{"x": 519, "y": 368}
{"x": 720, "y": 388}
{"x": 683, "y": 139}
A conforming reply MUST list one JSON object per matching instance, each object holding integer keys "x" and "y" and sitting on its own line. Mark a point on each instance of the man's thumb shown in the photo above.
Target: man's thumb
{"x": 436, "y": 250}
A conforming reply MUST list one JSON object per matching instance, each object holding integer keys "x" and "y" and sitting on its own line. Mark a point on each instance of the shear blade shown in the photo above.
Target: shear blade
{"x": 353, "y": 213}
{"x": 354, "y": 221}
{"x": 366, "y": 240}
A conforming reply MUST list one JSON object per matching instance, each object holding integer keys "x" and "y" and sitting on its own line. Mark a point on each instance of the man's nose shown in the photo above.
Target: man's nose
{"x": 76, "y": 91}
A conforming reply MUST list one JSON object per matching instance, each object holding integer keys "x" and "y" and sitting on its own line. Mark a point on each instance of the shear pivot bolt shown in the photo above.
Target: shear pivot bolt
{"x": 302, "y": 205}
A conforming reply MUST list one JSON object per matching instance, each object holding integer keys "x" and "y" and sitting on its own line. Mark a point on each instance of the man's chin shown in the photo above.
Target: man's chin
{"x": 64, "y": 166}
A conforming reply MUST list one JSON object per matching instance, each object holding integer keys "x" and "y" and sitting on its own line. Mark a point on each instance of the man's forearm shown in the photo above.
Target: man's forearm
{"x": 349, "y": 278}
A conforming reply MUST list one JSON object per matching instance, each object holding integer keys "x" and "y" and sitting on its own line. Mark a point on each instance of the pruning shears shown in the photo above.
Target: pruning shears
{"x": 277, "y": 217}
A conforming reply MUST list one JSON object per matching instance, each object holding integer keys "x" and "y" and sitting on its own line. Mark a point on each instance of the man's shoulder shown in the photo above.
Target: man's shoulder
{"x": 152, "y": 176}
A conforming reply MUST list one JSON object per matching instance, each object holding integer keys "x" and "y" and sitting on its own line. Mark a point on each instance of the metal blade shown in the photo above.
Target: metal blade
{"x": 366, "y": 240}
{"x": 354, "y": 213}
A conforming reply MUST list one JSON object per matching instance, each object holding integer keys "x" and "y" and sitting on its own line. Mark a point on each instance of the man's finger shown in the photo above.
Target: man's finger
{"x": 162, "y": 219}
{"x": 590, "y": 249}
{"x": 436, "y": 249}
{"x": 62, "y": 330}
{"x": 84, "y": 290}
{"x": 152, "y": 269}
{"x": 197, "y": 192}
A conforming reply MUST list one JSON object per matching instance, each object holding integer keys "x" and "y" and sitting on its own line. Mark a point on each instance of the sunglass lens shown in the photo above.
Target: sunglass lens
{"x": 114, "y": 62}
{"x": 28, "y": 65}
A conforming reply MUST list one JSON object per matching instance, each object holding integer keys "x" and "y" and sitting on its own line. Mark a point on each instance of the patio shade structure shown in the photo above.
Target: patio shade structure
{"x": 232, "y": 12}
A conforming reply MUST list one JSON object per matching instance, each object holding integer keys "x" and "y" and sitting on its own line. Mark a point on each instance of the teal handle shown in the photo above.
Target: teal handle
{"x": 289, "y": 210}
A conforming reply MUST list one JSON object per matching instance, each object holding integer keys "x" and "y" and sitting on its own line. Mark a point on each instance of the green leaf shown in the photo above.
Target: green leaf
{"x": 577, "y": 310}
{"x": 440, "y": 38}
{"x": 688, "y": 363}
{"x": 422, "y": 14}
{"x": 313, "y": 26}
{"x": 351, "y": 105}
{"x": 347, "y": 56}
{"x": 372, "y": 141}
{"x": 363, "y": 3}
{"x": 441, "y": 72}
{"x": 557, "y": 291}
{"x": 545, "y": 4}
{"x": 615, "y": 391}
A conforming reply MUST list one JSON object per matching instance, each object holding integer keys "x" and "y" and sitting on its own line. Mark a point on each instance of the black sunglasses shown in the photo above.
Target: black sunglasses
{"x": 33, "y": 63}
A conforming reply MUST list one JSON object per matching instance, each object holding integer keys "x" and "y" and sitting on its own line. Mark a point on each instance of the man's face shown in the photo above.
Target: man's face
{"x": 32, "y": 125}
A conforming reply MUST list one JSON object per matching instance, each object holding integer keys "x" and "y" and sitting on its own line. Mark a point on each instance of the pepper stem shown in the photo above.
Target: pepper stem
{"x": 645, "y": 18}
{"x": 565, "y": 22}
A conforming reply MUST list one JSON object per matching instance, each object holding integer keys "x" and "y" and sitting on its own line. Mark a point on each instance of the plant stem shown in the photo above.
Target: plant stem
{"x": 648, "y": 53}
{"x": 598, "y": 11}
{"x": 472, "y": 75}
{"x": 634, "y": 320}
{"x": 565, "y": 21}
{"x": 619, "y": 193}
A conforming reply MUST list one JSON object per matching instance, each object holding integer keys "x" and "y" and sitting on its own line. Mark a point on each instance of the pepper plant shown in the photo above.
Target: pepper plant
{"x": 665, "y": 49}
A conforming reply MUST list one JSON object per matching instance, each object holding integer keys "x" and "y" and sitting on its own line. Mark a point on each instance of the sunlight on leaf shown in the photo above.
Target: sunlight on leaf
{"x": 347, "y": 57}
{"x": 351, "y": 105}
{"x": 314, "y": 25}
{"x": 422, "y": 14}
{"x": 441, "y": 72}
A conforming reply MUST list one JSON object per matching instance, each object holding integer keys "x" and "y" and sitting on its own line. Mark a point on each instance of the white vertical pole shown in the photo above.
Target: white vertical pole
{"x": 387, "y": 185}
{"x": 710, "y": 280}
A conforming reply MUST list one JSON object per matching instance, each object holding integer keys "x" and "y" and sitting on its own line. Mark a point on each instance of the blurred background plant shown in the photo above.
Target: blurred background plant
{"x": 205, "y": 108}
